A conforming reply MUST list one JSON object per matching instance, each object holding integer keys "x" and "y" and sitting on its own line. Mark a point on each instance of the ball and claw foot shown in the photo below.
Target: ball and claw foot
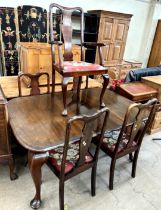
{"x": 13, "y": 176}
{"x": 35, "y": 204}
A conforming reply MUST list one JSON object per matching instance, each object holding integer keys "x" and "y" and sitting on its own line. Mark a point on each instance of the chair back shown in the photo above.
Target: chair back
{"x": 61, "y": 28}
{"x": 88, "y": 131}
{"x": 131, "y": 134}
{"x": 34, "y": 82}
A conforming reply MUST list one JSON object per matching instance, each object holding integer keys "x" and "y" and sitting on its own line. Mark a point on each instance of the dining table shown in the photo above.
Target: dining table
{"x": 38, "y": 125}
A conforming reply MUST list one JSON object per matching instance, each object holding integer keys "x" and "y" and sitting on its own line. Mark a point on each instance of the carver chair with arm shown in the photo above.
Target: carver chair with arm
{"x": 75, "y": 156}
{"x": 61, "y": 29}
{"x": 34, "y": 82}
{"x": 128, "y": 138}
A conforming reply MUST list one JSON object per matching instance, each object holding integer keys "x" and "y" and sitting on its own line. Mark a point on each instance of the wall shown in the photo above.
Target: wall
{"x": 138, "y": 44}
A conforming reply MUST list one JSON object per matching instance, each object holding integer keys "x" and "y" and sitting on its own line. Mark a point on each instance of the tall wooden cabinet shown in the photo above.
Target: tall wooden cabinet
{"x": 113, "y": 30}
{"x": 155, "y": 54}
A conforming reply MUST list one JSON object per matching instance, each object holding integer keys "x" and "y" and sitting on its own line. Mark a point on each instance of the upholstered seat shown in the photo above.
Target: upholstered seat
{"x": 81, "y": 66}
{"x": 110, "y": 140}
{"x": 56, "y": 155}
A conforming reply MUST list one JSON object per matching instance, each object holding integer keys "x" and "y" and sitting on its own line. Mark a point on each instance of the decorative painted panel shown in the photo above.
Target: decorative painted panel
{"x": 32, "y": 23}
{"x": 8, "y": 41}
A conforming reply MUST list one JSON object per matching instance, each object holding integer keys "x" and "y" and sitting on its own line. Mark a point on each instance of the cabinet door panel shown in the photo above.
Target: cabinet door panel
{"x": 118, "y": 51}
{"x": 106, "y": 30}
{"x": 113, "y": 53}
{"x": 121, "y": 31}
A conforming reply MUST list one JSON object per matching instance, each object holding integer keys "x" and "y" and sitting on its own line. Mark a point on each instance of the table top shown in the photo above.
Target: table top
{"x": 154, "y": 79}
{"x": 37, "y": 122}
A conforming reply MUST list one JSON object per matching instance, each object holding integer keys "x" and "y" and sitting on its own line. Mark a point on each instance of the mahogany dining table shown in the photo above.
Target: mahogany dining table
{"x": 38, "y": 125}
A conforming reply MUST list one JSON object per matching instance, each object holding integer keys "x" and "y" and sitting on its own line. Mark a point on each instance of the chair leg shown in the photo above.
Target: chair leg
{"x": 134, "y": 164}
{"x": 13, "y": 175}
{"x": 61, "y": 195}
{"x": 64, "y": 92}
{"x": 87, "y": 81}
{"x": 93, "y": 180}
{"x": 53, "y": 81}
{"x": 112, "y": 168}
{"x": 131, "y": 157}
{"x": 105, "y": 83}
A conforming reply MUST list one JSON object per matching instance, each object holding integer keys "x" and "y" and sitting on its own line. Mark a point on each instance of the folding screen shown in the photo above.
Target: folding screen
{"x": 8, "y": 40}
{"x": 24, "y": 24}
{"x": 32, "y": 23}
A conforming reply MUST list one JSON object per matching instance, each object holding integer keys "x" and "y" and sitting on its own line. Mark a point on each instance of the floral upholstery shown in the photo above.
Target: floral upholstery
{"x": 74, "y": 66}
{"x": 55, "y": 157}
{"x": 116, "y": 82}
{"x": 110, "y": 140}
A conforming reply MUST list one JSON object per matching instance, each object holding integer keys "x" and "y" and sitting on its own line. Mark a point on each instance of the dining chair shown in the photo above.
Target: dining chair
{"x": 128, "y": 138}
{"x": 61, "y": 36}
{"x": 34, "y": 82}
{"x": 74, "y": 156}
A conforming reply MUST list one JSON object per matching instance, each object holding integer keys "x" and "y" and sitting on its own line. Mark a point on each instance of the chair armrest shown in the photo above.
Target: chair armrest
{"x": 99, "y": 45}
{"x": 59, "y": 44}
{"x": 56, "y": 42}
{"x": 94, "y": 44}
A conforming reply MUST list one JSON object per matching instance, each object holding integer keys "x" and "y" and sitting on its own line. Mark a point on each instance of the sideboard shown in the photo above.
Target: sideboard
{"x": 36, "y": 57}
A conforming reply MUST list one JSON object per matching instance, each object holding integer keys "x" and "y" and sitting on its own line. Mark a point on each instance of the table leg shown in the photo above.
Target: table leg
{"x": 36, "y": 160}
{"x": 105, "y": 83}
{"x": 13, "y": 175}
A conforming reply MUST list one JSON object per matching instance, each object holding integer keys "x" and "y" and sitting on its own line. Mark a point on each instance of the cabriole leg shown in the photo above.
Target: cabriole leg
{"x": 36, "y": 160}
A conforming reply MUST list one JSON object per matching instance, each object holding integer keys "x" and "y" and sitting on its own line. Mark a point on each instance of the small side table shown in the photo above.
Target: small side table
{"x": 136, "y": 91}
